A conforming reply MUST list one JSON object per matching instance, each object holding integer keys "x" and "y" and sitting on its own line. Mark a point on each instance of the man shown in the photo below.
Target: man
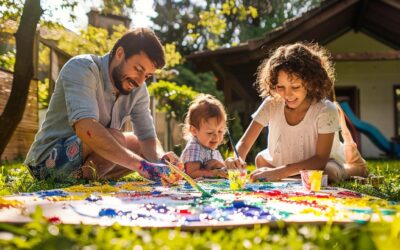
{"x": 93, "y": 97}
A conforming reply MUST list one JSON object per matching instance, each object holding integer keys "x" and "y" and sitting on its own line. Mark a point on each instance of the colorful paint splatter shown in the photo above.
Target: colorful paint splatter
{"x": 149, "y": 205}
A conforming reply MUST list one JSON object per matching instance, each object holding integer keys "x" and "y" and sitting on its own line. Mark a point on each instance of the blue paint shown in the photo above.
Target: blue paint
{"x": 109, "y": 212}
{"x": 161, "y": 209}
{"x": 208, "y": 209}
{"x": 155, "y": 170}
{"x": 156, "y": 192}
{"x": 238, "y": 204}
{"x": 51, "y": 193}
{"x": 187, "y": 185}
{"x": 362, "y": 210}
{"x": 192, "y": 218}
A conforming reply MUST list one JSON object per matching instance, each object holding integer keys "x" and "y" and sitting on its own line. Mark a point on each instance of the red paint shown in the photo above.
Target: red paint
{"x": 349, "y": 194}
{"x": 184, "y": 211}
{"x": 54, "y": 220}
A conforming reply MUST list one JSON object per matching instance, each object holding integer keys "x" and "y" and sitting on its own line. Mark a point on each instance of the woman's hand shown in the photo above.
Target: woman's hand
{"x": 267, "y": 174}
{"x": 235, "y": 163}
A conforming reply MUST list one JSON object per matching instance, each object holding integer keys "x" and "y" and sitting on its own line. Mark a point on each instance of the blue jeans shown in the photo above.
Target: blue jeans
{"x": 64, "y": 159}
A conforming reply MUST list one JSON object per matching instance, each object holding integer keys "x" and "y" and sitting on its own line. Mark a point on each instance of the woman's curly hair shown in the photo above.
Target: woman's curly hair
{"x": 308, "y": 61}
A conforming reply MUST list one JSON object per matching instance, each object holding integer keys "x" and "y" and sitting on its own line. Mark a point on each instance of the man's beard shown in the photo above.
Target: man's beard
{"x": 117, "y": 78}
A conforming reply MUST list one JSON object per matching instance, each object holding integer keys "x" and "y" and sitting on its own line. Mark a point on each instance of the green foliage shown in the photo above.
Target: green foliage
{"x": 40, "y": 234}
{"x": 43, "y": 93}
{"x": 200, "y": 82}
{"x": 171, "y": 98}
{"x": 117, "y": 7}
{"x": 91, "y": 40}
{"x": 212, "y": 24}
{"x": 7, "y": 60}
{"x": 389, "y": 189}
{"x": 211, "y": 28}
{"x": 11, "y": 10}
{"x": 174, "y": 100}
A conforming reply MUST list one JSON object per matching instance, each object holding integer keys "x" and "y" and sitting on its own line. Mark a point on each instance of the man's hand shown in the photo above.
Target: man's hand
{"x": 159, "y": 172}
{"x": 235, "y": 163}
{"x": 172, "y": 158}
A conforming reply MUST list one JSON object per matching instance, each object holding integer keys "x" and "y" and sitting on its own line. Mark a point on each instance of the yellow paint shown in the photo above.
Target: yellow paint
{"x": 315, "y": 180}
{"x": 100, "y": 189}
{"x": 136, "y": 186}
{"x": 237, "y": 179}
{"x": 9, "y": 203}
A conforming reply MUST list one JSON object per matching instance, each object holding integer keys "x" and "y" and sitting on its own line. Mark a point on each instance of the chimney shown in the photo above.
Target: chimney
{"x": 106, "y": 21}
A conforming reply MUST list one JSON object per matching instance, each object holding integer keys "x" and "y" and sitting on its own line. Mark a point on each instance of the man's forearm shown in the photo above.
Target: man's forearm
{"x": 103, "y": 143}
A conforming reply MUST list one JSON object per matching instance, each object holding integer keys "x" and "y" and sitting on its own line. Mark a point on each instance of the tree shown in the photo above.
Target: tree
{"x": 28, "y": 15}
{"x": 211, "y": 24}
{"x": 117, "y": 7}
{"x": 23, "y": 71}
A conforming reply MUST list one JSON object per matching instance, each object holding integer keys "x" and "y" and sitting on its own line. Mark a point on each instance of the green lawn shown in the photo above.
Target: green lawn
{"x": 40, "y": 234}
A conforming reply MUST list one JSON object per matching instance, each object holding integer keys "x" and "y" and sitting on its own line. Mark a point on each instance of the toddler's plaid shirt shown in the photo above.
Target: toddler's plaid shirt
{"x": 195, "y": 152}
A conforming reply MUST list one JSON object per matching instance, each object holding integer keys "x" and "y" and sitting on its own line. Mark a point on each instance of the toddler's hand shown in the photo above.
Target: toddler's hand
{"x": 235, "y": 163}
{"x": 221, "y": 172}
{"x": 214, "y": 164}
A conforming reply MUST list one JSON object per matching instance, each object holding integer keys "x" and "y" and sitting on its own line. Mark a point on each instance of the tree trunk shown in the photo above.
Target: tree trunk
{"x": 23, "y": 71}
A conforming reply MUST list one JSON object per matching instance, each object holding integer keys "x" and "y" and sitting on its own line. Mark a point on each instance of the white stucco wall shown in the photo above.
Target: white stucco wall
{"x": 375, "y": 80}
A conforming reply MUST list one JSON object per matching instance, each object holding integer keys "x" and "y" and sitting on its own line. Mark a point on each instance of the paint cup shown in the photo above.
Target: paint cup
{"x": 324, "y": 181}
{"x": 311, "y": 179}
{"x": 237, "y": 178}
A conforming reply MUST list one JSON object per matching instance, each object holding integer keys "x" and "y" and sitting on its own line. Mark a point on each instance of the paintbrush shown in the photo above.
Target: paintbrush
{"x": 188, "y": 179}
{"x": 233, "y": 144}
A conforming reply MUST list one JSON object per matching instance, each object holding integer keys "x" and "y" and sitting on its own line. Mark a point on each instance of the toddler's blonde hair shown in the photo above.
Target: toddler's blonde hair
{"x": 202, "y": 108}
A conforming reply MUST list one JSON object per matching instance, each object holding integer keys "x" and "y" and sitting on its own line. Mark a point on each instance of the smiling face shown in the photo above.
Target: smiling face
{"x": 292, "y": 90}
{"x": 127, "y": 74}
{"x": 211, "y": 132}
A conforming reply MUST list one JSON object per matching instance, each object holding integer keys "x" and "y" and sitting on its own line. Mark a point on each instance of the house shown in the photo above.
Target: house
{"x": 364, "y": 39}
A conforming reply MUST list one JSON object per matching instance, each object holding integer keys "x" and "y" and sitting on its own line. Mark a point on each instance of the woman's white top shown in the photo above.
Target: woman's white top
{"x": 289, "y": 144}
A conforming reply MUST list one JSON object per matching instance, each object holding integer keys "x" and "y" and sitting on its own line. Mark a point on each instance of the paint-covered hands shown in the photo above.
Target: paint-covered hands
{"x": 159, "y": 172}
{"x": 235, "y": 163}
{"x": 171, "y": 157}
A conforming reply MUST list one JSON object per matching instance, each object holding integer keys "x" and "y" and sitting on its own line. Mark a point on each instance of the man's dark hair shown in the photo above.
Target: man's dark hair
{"x": 141, "y": 40}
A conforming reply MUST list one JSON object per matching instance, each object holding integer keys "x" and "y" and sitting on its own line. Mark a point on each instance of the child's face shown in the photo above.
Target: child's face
{"x": 211, "y": 132}
{"x": 291, "y": 89}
